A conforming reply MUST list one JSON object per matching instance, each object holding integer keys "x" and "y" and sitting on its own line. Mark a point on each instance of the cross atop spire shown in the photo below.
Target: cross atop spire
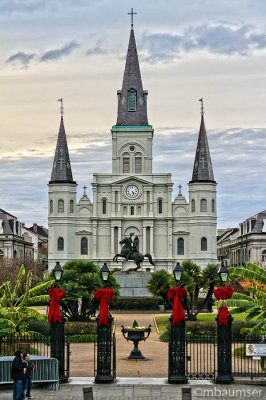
{"x": 202, "y": 106}
{"x": 180, "y": 187}
{"x": 132, "y": 16}
{"x": 61, "y": 107}
{"x": 84, "y": 188}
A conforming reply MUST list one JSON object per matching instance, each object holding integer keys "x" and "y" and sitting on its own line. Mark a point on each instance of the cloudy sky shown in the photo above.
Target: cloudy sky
{"x": 188, "y": 49}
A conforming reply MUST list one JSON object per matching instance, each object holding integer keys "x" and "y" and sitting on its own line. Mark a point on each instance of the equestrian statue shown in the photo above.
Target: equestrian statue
{"x": 130, "y": 251}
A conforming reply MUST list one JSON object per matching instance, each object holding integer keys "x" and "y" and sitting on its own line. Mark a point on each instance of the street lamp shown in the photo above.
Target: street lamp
{"x": 58, "y": 272}
{"x": 105, "y": 272}
{"x": 177, "y": 272}
{"x": 223, "y": 273}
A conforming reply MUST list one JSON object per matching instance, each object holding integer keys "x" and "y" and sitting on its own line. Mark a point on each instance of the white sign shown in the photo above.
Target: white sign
{"x": 255, "y": 349}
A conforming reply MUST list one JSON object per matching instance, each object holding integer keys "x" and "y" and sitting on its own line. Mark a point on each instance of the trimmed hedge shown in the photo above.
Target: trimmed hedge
{"x": 83, "y": 338}
{"x": 80, "y": 328}
{"x": 41, "y": 327}
{"x": 135, "y": 303}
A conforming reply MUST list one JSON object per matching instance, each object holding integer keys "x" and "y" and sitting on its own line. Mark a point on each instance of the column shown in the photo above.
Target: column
{"x": 151, "y": 240}
{"x": 112, "y": 247}
{"x": 144, "y": 240}
{"x": 94, "y": 240}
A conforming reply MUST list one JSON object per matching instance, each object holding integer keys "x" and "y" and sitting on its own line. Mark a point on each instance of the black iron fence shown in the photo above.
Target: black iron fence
{"x": 111, "y": 353}
{"x": 243, "y": 365}
{"x": 201, "y": 360}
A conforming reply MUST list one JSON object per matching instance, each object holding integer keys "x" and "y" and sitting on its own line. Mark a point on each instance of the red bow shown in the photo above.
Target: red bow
{"x": 224, "y": 293}
{"x": 103, "y": 296}
{"x": 54, "y": 309}
{"x": 178, "y": 311}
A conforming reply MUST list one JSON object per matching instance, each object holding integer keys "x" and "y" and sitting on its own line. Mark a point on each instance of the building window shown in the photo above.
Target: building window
{"x": 132, "y": 100}
{"x": 139, "y": 210}
{"x": 84, "y": 245}
{"x": 51, "y": 206}
{"x": 71, "y": 206}
{"x": 213, "y": 205}
{"x": 104, "y": 206}
{"x": 125, "y": 210}
{"x": 60, "y": 244}
{"x": 148, "y": 239}
{"x": 60, "y": 206}
{"x": 160, "y": 206}
{"x": 241, "y": 229}
{"x": 138, "y": 164}
{"x": 203, "y": 205}
{"x": 193, "y": 207}
{"x": 115, "y": 239}
{"x": 203, "y": 244}
{"x": 15, "y": 253}
{"x": 1, "y": 254}
{"x": 132, "y": 211}
{"x": 180, "y": 246}
{"x": 126, "y": 165}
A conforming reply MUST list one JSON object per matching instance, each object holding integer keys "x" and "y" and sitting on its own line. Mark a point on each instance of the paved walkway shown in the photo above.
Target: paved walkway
{"x": 156, "y": 352}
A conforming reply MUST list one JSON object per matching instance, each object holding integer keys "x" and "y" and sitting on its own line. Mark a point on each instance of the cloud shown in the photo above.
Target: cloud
{"x": 56, "y": 54}
{"x": 94, "y": 51}
{"x": 20, "y": 59}
{"x": 219, "y": 39}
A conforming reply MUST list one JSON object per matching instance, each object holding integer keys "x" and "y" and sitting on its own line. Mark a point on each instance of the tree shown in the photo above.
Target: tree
{"x": 80, "y": 279}
{"x": 199, "y": 283}
{"x": 15, "y": 310}
{"x": 254, "y": 277}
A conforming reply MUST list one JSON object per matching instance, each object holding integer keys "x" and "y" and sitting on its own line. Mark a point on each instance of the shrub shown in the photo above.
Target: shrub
{"x": 83, "y": 338}
{"x": 198, "y": 327}
{"x": 40, "y": 327}
{"x": 135, "y": 303}
{"x": 80, "y": 328}
{"x": 237, "y": 326}
{"x": 239, "y": 351}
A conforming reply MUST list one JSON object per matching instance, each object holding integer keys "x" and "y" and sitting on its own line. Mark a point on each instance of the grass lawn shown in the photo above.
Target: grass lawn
{"x": 163, "y": 321}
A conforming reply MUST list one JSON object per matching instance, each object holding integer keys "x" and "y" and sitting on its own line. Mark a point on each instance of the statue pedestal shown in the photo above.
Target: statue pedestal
{"x": 133, "y": 284}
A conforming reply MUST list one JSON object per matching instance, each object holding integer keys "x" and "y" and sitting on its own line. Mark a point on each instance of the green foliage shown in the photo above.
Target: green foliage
{"x": 135, "y": 303}
{"x": 90, "y": 338}
{"x": 41, "y": 327}
{"x": 254, "y": 305}
{"x": 80, "y": 328}
{"x": 15, "y": 313}
{"x": 135, "y": 324}
{"x": 81, "y": 278}
{"x": 239, "y": 351}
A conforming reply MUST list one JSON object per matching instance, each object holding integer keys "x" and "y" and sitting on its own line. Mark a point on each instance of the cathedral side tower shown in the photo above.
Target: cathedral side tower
{"x": 202, "y": 202}
{"x": 62, "y": 204}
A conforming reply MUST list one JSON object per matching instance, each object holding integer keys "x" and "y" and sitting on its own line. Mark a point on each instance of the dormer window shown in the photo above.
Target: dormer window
{"x": 132, "y": 100}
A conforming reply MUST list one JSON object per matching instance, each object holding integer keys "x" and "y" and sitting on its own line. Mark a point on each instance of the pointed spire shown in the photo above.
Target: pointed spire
{"x": 61, "y": 172}
{"x": 202, "y": 165}
{"x": 132, "y": 99}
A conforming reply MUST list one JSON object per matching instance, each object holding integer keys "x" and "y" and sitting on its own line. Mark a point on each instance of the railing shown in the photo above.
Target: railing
{"x": 243, "y": 365}
{"x": 33, "y": 343}
{"x": 201, "y": 362}
{"x": 112, "y": 356}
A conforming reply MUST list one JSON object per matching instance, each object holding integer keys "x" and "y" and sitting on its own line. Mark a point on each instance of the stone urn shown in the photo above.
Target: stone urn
{"x": 136, "y": 335}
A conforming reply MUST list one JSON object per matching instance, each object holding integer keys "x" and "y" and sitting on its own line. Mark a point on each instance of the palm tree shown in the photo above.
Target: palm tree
{"x": 254, "y": 305}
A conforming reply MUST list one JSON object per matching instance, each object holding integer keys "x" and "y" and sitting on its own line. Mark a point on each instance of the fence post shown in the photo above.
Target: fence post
{"x": 176, "y": 353}
{"x": 224, "y": 351}
{"x": 58, "y": 345}
{"x": 104, "y": 353}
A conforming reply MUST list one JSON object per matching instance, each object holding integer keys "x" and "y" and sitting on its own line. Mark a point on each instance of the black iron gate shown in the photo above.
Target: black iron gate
{"x": 201, "y": 357}
{"x": 103, "y": 360}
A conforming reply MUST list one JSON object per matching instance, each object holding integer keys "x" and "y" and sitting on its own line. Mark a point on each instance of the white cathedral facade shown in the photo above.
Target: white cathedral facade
{"x": 132, "y": 199}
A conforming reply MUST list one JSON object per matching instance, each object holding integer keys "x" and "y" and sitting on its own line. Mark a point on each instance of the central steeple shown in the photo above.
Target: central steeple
{"x": 132, "y": 99}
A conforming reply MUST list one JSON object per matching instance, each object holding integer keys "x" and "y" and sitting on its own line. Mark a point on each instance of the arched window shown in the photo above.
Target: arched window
{"x": 60, "y": 206}
{"x": 203, "y": 244}
{"x": 126, "y": 164}
{"x": 104, "y": 206}
{"x": 125, "y": 210}
{"x": 60, "y": 244}
{"x": 15, "y": 253}
{"x": 71, "y": 206}
{"x": 138, "y": 163}
{"x": 132, "y": 211}
{"x": 84, "y": 246}
{"x": 132, "y": 100}
{"x": 139, "y": 210}
{"x": 193, "y": 206}
{"x": 203, "y": 205}
{"x": 180, "y": 246}
{"x": 1, "y": 254}
{"x": 160, "y": 206}
{"x": 51, "y": 206}
{"x": 213, "y": 205}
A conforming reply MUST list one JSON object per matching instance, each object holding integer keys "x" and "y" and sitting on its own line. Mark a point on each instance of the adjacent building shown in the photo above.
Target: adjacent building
{"x": 132, "y": 199}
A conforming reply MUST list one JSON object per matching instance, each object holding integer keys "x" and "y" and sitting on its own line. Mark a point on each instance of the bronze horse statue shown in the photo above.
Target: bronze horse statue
{"x": 130, "y": 251}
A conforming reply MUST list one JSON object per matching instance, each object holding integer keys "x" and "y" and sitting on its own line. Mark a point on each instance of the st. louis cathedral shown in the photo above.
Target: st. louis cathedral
{"x": 132, "y": 199}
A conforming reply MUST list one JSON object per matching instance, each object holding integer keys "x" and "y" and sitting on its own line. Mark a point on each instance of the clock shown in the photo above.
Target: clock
{"x": 132, "y": 191}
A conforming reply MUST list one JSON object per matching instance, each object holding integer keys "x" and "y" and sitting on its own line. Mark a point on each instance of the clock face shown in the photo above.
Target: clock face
{"x": 132, "y": 191}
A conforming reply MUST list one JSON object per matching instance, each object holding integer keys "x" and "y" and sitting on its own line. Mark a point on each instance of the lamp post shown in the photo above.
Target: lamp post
{"x": 176, "y": 345}
{"x": 104, "y": 339}
{"x": 224, "y": 333}
{"x": 58, "y": 331}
